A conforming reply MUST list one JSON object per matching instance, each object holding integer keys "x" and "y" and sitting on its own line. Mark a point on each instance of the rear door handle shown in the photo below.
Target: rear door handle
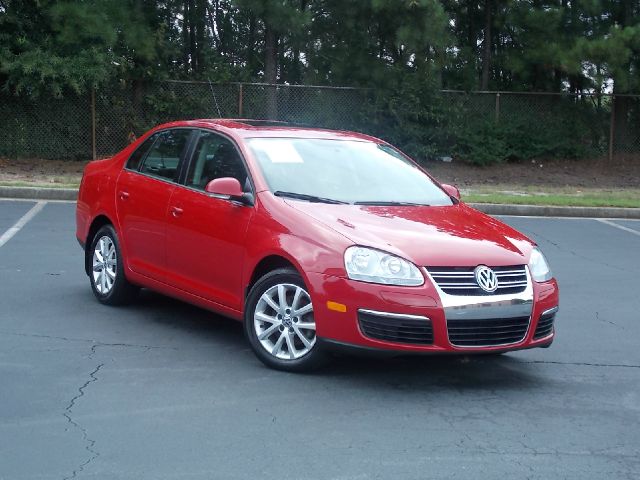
{"x": 176, "y": 211}
{"x": 124, "y": 195}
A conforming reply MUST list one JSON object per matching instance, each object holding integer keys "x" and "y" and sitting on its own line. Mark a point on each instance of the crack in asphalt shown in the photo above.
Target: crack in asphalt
{"x": 127, "y": 345}
{"x": 583, "y": 364}
{"x": 90, "y": 443}
{"x": 88, "y": 340}
{"x": 572, "y": 252}
{"x": 607, "y": 321}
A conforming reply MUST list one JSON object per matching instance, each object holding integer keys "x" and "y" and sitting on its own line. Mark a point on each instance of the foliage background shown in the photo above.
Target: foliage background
{"x": 399, "y": 54}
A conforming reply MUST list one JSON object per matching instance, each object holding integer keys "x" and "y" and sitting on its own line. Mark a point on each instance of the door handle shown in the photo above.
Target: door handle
{"x": 176, "y": 211}
{"x": 124, "y": 195}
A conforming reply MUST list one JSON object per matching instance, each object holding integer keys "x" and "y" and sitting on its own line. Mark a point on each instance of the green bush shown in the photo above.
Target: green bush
{"x": 524, "y": 138}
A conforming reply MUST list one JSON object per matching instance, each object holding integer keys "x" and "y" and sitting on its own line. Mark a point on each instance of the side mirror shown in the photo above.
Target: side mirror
{"x": 229, "y": 188}
{"x": 451, "y": 191}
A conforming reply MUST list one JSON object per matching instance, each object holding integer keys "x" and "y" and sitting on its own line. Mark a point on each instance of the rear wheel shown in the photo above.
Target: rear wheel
{"x": 280, "y": 324}
{"x": 108, "y": 282}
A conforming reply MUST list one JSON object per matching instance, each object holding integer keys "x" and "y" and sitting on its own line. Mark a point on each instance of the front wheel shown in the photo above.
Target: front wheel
{"x": 280, "y": 324}
{"x": 108, "y": 282}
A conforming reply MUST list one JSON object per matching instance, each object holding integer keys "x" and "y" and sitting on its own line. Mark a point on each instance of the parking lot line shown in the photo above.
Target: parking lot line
{"x": 626, "y": 229}
{"x": 6, "y": 236}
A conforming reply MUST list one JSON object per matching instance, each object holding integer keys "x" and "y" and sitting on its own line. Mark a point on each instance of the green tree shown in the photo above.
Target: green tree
{"x": 50, "y": 46}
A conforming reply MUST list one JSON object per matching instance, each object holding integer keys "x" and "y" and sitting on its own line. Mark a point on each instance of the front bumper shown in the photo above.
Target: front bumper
{"x": 428, "y": 302}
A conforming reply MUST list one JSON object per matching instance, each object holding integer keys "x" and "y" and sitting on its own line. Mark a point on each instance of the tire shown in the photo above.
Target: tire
{"x": 108, "y": 281}
{"x": 280, "y": 338}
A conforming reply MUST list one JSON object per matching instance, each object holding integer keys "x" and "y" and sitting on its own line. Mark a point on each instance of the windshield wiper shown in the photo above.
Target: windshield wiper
{"x": 384, "y": 203}
{"x": 309, "y": 198}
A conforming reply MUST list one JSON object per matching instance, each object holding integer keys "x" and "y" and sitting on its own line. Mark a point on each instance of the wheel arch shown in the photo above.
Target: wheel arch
{"x": 267, "y": 264}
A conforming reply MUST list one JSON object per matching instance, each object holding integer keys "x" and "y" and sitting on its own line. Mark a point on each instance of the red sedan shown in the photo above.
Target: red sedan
{"x": 314, "y": 239}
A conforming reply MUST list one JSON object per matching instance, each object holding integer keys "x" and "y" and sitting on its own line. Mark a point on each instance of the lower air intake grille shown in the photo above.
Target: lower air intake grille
{"x": 487, "y": 333}
{"x": 396, "y": 329}
{"x": 545, "y": 325}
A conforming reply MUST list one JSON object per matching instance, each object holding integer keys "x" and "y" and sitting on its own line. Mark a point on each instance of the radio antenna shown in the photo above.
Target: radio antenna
{"x": 214, "y": 98}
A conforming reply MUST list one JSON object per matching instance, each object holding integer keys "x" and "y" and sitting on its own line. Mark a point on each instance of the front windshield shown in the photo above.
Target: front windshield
{"x": 348, "y": 171}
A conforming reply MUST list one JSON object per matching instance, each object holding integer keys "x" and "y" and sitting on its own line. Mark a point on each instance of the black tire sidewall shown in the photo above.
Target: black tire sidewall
{"x": 312, "y": 359}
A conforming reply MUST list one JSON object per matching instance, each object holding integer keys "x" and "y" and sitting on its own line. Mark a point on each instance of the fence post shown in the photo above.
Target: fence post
{"x": 612, "y": 127}
{"x": 240, "y": 101}
{"x": 93, "y": 123}
{"x": 497, "y": 107}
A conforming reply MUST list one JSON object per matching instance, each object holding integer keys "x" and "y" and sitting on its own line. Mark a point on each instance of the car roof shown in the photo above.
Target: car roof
{"x": 249, "y": 128}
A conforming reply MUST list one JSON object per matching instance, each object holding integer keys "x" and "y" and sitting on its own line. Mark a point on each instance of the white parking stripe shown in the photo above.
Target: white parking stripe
{"x": 6, "y": 236}
{"x": 626, "y": 229}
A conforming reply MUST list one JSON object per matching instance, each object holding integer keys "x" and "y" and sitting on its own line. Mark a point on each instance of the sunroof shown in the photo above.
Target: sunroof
{"x": 273, "y": 123}
{"x": 266, "y": 123}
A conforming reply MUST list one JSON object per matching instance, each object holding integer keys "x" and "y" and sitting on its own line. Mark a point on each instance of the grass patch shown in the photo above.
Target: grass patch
{"x": 629, "y": 198}
{"x": 22, "y": 183}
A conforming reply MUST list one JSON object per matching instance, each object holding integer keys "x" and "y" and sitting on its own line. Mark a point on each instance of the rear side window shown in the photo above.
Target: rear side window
{"x": 134, "y": 160}
{"x": 164, "y": 156}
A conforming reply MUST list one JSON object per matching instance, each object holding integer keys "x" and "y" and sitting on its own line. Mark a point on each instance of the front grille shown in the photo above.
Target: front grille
{"x": 396, "y": 329}
{"x": 487, "y": 333}
{"x": 545, "y": 325}
{"x": 462, "y": 280}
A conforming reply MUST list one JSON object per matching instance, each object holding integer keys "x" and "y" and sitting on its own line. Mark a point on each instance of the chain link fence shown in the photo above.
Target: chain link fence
{"x": 548, "y": 124}
{"x": 101, "y": 123}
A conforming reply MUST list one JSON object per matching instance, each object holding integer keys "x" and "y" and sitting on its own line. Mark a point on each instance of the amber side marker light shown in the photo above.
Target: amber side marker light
{"x": 338, "y": 307}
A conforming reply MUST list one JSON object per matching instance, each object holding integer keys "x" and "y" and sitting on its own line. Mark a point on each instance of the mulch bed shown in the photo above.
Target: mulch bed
{"x": 599, "y": 173}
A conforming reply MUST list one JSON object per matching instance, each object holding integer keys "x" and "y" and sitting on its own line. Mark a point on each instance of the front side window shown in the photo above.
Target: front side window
{"x": 163, "y": 158}
{"x": 215, "y": 157}
{"x": 344, "y": 171}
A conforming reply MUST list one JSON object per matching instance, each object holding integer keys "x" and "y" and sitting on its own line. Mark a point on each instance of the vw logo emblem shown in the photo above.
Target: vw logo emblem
{"x": 486, "y": 278}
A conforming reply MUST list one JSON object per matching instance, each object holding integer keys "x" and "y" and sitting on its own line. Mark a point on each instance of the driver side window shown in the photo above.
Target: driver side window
{"x": 215, "y": 157}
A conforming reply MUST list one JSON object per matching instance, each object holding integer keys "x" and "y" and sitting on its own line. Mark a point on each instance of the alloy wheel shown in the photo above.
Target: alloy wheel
{"x": 283, "y": 321}
{"x": 105, "y": 262}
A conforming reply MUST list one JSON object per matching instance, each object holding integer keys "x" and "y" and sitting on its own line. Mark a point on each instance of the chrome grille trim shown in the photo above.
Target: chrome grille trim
{"x": 546, "y": 323}
{"x": 395, "y": 327}
{"x": 462, "y": 280}
{"x": 378, "y": 313}
{"x": 499, "y": 305}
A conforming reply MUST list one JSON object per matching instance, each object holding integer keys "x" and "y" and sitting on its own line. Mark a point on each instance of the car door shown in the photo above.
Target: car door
{"x": 143, "y": 191}
{"x": 205, "y": 234}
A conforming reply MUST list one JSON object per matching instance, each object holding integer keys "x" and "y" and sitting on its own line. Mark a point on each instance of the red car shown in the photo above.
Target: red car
{"x": 314, "y": 239}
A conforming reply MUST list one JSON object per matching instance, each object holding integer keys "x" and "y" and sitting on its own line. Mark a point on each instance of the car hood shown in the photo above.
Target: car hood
{"x": 454, "y": 235}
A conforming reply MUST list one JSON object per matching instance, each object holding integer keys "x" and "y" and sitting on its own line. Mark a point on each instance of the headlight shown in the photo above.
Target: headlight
{"x": 374, "y": 266}
{"x": 539, "y": 267}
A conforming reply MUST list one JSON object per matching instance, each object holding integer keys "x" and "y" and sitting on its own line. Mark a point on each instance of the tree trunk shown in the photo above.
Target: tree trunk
{"x": 486, "y": 46}
{"x": 200, "y": 33}
{"x": 193, "y": 47}
{"x": 251, "y": 45}
{"x": 185, "y": 36}
{"x": 296, "y": 71}
{"x": 271, "y": 70}
{"x": 622, "y": 137}
{"x": 472, "y": 34}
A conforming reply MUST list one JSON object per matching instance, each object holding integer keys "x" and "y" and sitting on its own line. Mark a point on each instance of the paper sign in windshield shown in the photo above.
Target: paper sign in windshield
{"x": 278, "y": 151}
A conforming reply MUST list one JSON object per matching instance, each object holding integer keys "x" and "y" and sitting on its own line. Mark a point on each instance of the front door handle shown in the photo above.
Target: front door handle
{"x": 176, "y": 211}
{"x": 124, "y": 195}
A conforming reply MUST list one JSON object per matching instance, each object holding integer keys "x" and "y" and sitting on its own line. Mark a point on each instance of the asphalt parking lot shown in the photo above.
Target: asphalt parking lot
{"x": 163, "y": 390}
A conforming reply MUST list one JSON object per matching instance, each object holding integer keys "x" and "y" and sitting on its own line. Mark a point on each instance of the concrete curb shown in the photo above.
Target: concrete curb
{"x": 43, "y": 193}
{"x": 550, "y": 211}
{"x": 39, "y": 193}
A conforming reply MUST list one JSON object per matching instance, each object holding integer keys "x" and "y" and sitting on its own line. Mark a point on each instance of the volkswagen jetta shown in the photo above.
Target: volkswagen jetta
{"x": 314, "y": 239}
